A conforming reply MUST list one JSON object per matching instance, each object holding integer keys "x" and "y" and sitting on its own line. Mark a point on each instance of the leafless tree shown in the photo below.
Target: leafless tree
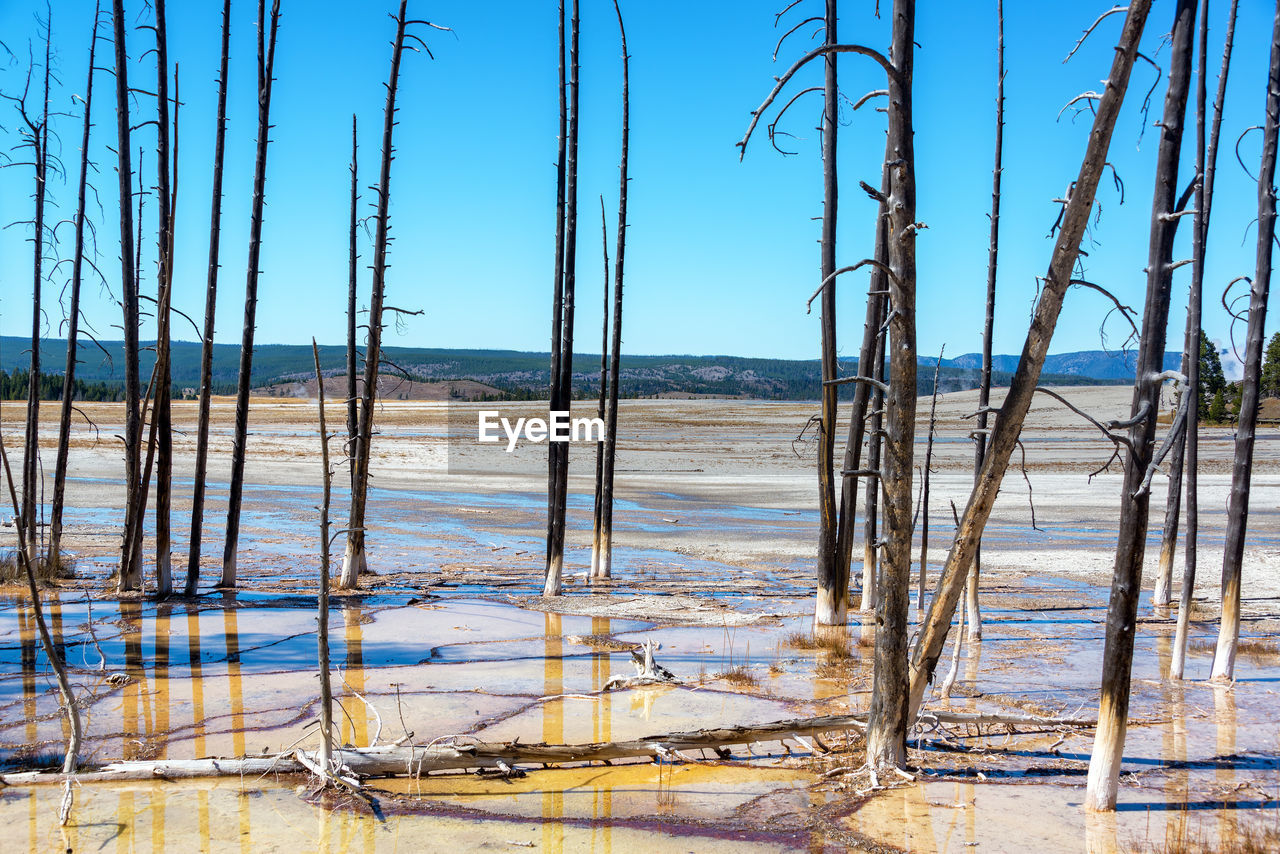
{"x": 562, "y": 320}
{"x": 210, "y": 305}
{"x": 601, "y": 407}
{"x": 163, "y": 385}
{"x": 73, "y": 313}
{"x": 1117, "y": 656}
{"x": 605, "y": 566}
{"x": 353, "y": 403}
{"x": 1224, "y": 657}
{"x": 266, "y": 67}
{"x": 924, "y": 488}
{"x": 1005, "y": 434}
{"x": 1206, "y": 168}
{"x": 973, "y": 610}
{"x": 322, "y": 598}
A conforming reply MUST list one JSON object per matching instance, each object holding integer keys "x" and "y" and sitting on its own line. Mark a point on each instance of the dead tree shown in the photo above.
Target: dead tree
{"x": 562, "y": 337}
{"x": 322, "y": 632}
{"x": 973, "y": 610}
{"x": 73, "y": 314}
{"x": 1224, "y": 657}
{"x": 924, "y": 488}
{"x": 1206, "y": 168}
{"x": 602, "y": 405}
{"x": 605, "y": 567}
{"x": 557, "y": 305}
{"x": 353, "y": 401}
{"x": 162, "y": 415}
{"x": 210, "y": 305}
{"x": 266, "y": 66}
{"x": 875, "y": 443}
{"x": 353, "y": 562}
{"x": 1013, "y": 412}
{"x": 1126, "y": 585}
{"x": 130, "y": 575}
{"x": 36, "y": 132}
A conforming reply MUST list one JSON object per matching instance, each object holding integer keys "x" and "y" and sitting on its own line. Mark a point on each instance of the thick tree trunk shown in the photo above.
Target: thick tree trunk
{"x": 210, "y": 306}
{"x": 73, "y": 315}
{"x": 889, "y": 714}
{"x": 1206, "y": 167}
{"x": 1126, "y": 584}
{"x": 353, "y": 402}
{"x": 130, "y": 575}
{"x": 973, "y": 608}
{"x": 164, "y": 299}
{"x": 833, "y": 580}
{"x": 562, "y": 392}
{"x": 1013, "y": 412}
{"x": 266, "y": 66}
{"x": 615, "y": 346}
{"x": 1224, "y": 657}
{"x": 354, "y": 561}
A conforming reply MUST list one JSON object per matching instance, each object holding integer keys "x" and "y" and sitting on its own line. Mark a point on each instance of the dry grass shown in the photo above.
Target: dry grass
{"x": 1253, "y": 650}
{"x": 1181, "y": 838}
{"x": 836, "y": 644}
{"x": 739, "y": 675}
{"x": 48, "y": 568}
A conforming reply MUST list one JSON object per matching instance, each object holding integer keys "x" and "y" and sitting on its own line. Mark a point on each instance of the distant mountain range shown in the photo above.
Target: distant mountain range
{"x": 511, "y": 373}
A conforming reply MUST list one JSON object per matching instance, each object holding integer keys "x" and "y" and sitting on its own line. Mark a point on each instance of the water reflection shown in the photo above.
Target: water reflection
{"x": 553, "y": 727}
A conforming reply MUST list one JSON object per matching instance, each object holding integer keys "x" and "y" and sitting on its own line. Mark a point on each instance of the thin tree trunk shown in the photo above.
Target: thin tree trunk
{"x": 888, "y": 717}
{"x": 1224, "y": 657}
{"x": 210, "y": 306}
{"x": 559, "y": 451}
{"x": 354, "y": 562}
{"x": 557, "y": 308}
{"x": 1206, "y": 167}
{"x": 871, "y": 520}
{"x": 1126, "y": 585}
{"x": 322, "y": 632}
{"x": 597, "y": 518}
{"x": 266, "y": 66}
{"x": 130, "y": 575}
{"x": 73, "y": 315}
{"x": 973, "y": 614}
{"x": 924, "y": 489}
{"x": 136, "y": 521}
{"x": 615, "y": 347}
{"x": 31, "y": 447}
{"x": 164, "y": 239}
{"x": 50, "y": 651}
{"x": 1013, "y": 412}
{"x": 833, "y": 581}
{"x": 353, "y": 403}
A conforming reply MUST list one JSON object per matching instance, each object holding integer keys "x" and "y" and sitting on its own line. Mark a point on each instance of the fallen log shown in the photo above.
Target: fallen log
{"x": 415, "y": 760}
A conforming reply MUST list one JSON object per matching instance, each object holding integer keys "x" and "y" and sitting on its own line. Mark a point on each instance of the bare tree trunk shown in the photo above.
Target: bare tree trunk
{"x": 1224, "y": 657}
{"x": 615, "y": 349}
{"x": 562, "y": 392}
{"x": 130, "y": 575}
{"x": 1126, "y": 585}
{"x": 862, "y": 393}
{"x": 266, "y": 67}
{"x": 597, "y": 516}
{"x": 39, "y": 134}
{"x": 1206, "y": 167}
{"x": 50, "y": 651}
{"x": 973, "y": 612}
{"x": 322, "y": 632}
{"x": 353, "y": 562}
{"x": 1013, "y": 412}
{"x": 353, "y": 404}
{"x": 888, "y": 717}
{"x": 136, "y": 520}
{"x": 833, "y": 580}
{"x": 73, "y": 315}
{"x": 557, "y": 300}
{"x": 924, "y": 489}
{"x": 162, "y": 416}
{"x": 210, "y": 306}
{"x": 871, "y": 526}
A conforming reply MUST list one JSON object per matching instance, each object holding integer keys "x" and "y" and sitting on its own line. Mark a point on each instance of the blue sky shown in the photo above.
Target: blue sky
{"x": 721, "y": 255}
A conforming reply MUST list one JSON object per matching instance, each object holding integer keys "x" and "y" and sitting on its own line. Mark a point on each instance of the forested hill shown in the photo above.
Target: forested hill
{"x": 521, "y": 374}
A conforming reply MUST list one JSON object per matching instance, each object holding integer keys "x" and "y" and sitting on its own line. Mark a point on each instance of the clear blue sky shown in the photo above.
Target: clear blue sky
{"x": 721, "y": 255}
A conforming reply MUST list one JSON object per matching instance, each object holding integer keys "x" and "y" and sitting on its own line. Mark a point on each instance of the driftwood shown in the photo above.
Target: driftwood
{"x": 391, "y": 760}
